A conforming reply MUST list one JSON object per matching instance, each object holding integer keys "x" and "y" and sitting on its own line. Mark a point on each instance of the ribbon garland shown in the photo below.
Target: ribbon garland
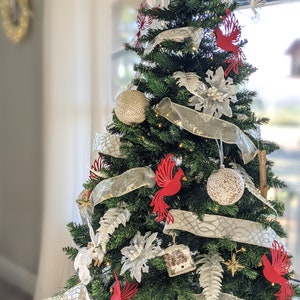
{"x": 122, "y": 184}
{"x": 214, "y": 226}
{"x": 206, "y": 126}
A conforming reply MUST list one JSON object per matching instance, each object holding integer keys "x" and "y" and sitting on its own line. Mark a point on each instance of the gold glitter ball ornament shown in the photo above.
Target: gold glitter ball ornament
{"x": 225, "y": 186}
{"x": 130, "y": 107}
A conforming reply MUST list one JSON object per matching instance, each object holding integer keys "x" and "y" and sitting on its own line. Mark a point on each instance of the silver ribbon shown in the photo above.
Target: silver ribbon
{"x": 108, "y": 144}
{"x": 214, "y": 226}
{"x": 122, "y": 184}
{"x": 206, "y": 126}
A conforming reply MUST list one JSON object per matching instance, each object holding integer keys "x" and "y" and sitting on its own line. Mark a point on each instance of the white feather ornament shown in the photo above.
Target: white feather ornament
{"x": 110, "y": 221}
{"x": 211, "y": 274}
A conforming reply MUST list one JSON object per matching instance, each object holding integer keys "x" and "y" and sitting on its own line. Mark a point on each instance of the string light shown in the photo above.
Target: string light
{"x": 15, "y": 30}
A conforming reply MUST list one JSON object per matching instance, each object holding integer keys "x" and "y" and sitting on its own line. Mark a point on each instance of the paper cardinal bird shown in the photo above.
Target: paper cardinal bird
{"x": 228, "y": 41}
{"x": 128, "y": 291}
{"x": 170, "y": 185}
{"x": 274, "y": 272}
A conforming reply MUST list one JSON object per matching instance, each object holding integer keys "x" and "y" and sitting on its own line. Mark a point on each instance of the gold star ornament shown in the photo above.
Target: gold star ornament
{"x": 233, "y": 265}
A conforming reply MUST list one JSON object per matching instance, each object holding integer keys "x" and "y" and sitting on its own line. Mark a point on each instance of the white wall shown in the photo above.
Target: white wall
{"x": 21, "y": 165}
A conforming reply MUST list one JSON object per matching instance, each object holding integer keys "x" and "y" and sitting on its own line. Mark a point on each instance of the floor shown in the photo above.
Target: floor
{"x": 9, "y": 292}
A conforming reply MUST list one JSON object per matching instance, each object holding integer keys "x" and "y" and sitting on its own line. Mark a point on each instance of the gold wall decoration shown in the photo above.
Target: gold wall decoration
{"x": 15, "y": 18}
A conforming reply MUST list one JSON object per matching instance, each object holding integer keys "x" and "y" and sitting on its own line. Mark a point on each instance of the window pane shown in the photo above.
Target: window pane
{"x": 124, "y": 31}
{"x": 278, "y": 99}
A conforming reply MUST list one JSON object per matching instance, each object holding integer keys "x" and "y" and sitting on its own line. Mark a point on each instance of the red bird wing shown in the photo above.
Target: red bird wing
{"x": 164, "y": 172}
{"x": 129, "y": 290}
{"x": 280, "y": 259}
{"x": 232, "y": 27}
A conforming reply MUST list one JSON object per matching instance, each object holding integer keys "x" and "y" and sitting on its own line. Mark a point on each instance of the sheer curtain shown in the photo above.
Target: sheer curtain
{"x": 76, "y": 104}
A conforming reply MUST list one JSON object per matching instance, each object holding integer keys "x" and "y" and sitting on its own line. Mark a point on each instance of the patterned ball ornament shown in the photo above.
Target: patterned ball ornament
{"x": 225, "y": 186}
{"x": 130, "y": 107}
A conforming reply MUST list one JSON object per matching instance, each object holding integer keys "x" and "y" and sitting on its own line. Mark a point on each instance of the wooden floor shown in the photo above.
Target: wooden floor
{"x": 9, "y": 292}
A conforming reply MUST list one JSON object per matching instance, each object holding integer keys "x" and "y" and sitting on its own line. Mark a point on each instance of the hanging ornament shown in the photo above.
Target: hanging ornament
{"x": 225, "y": 186}
{"x": 135, "y": 256}
{"x": 111, "y": 220}
{"x": 233, "y": 265}
{"x": 212, "y": 98}
{"x": 15, "y": 18}
{"x": 178, "y": 259}
{"x": 177, "y": 35}
{"x": 127, "y": 292}
{"x": 95, "y": 169}
{"x": 275, "y": 271}
{"x": 210, "y": 275}
{"x": 130, "y": 107}
{"x": 228, "y": 40}
{"x": 263, "y": 173}
{"x": 170, "y": 185}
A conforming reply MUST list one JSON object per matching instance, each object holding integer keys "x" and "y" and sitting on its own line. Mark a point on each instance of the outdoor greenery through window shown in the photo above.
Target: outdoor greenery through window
{"x": 269, "y": 36}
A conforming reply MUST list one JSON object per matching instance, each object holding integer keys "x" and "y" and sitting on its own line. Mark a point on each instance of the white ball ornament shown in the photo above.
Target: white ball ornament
{"x": 130, "y": 107}
{"x": 225, "y": 186}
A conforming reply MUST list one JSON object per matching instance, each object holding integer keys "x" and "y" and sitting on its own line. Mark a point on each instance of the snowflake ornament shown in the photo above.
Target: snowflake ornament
{"x": 212, "y": 98}
{"x": 135, "y": 256}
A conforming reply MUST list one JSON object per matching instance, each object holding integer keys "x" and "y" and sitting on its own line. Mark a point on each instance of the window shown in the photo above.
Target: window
{"x": 269, "y": 42}
{"x": 124, "y": 31}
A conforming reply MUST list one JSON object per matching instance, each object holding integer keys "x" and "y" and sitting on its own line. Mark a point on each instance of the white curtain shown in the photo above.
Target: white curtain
{"x": 76, "y": 104}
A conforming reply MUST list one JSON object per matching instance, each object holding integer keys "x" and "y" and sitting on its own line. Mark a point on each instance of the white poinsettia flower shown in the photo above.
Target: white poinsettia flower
{"x": 212, "y": 98}
{"x": 86, "y": 255}
{"x": 216, "y": 97}
{"x": 135, "y": 256}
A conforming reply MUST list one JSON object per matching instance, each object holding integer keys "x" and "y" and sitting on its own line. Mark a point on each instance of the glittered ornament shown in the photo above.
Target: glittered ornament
{"x": 130, "y": 107}
{"x": 179, "y": 260}
{"x": 225, "y": 186}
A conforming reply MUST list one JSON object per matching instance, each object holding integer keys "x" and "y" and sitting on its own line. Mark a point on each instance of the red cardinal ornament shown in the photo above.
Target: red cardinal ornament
{"x": 228, "y": 41}
{"x": 128, "y": 291}
{"x": 274, "y": 272}
{"x": 170, "y": 185}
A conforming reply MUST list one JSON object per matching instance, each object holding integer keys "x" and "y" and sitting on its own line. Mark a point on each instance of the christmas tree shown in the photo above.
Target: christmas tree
{"x": 176, "y": 205}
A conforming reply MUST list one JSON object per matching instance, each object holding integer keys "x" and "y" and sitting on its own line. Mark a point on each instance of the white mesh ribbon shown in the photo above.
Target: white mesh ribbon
{"x": 108, "y": 144}
{"x": 78, "y": 292}
{"x": 214, "y": 226}
{"x": 207, "y": 126}
{"x": 123, "y": 184}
